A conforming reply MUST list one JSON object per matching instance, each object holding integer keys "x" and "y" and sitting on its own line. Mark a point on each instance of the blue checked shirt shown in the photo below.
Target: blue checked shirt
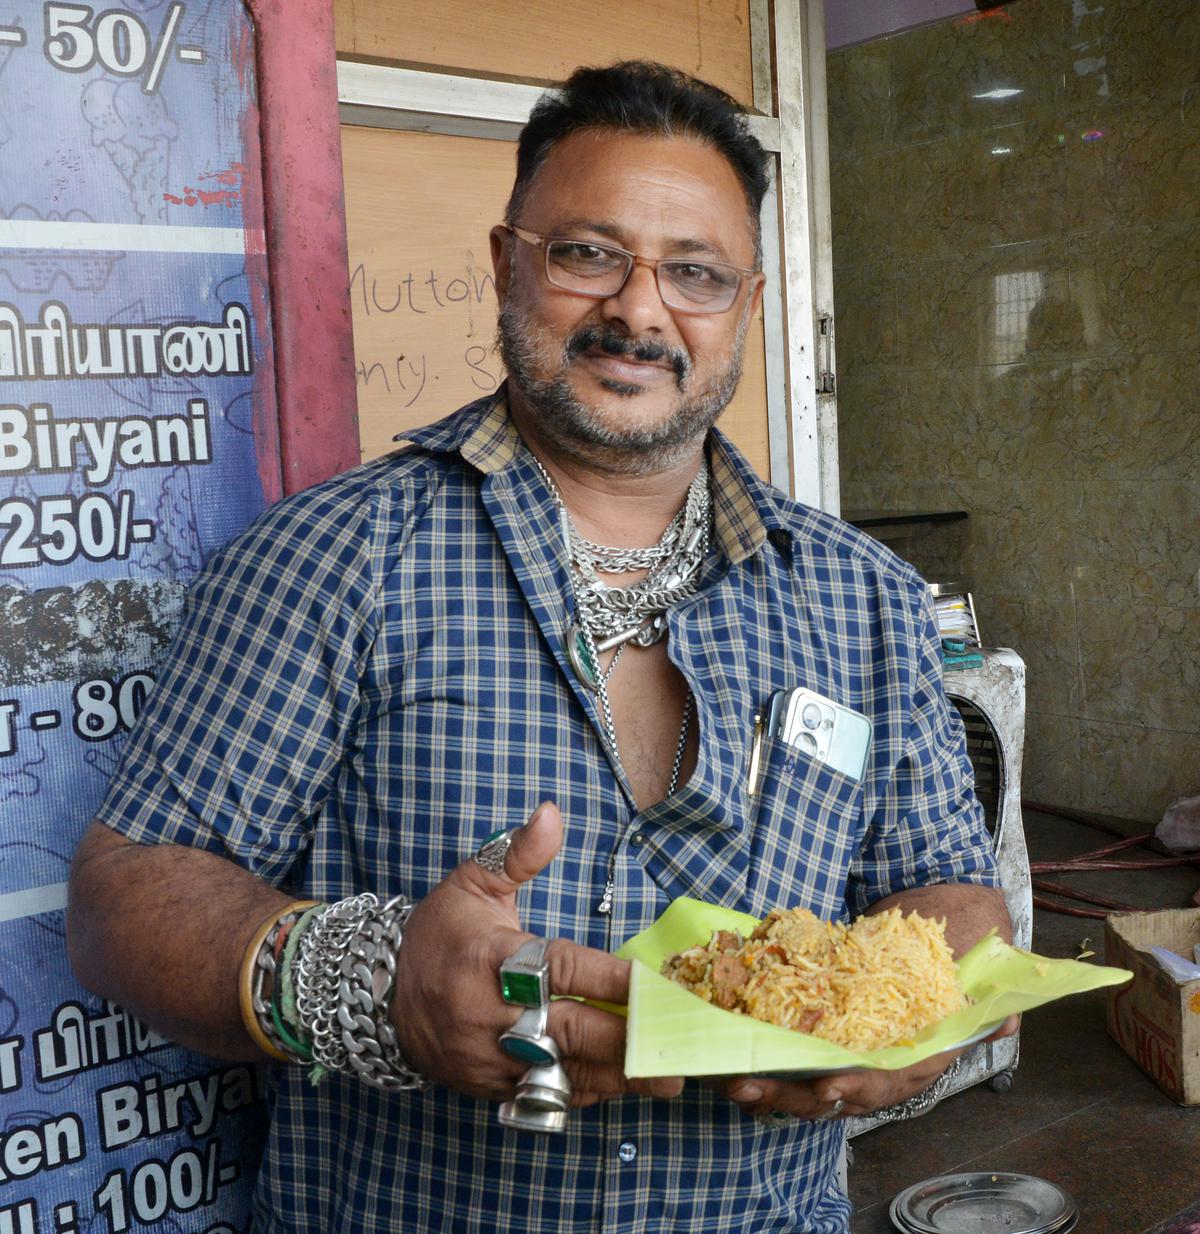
{"x": 373, "y": 678}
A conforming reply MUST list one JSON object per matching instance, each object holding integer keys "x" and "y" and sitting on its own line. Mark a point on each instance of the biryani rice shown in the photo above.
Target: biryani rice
{"x": 865, "y": 986}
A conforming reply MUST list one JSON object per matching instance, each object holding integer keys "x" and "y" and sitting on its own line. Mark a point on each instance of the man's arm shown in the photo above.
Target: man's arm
{"x": 928, "y": 852}
{"x": 161, "y": 929}
{"x": 970, "y": 911}
{"x": 227, "y": 776}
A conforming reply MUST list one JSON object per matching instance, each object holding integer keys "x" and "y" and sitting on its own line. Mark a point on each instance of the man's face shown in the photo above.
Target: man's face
{"x": 625, "y": 379}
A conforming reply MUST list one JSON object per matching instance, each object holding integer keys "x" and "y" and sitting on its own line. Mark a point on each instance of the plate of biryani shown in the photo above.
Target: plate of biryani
{"x": 716, "y": 992}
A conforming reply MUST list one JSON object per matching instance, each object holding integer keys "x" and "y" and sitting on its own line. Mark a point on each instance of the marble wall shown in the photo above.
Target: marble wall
{"x": 1016, "y": 219}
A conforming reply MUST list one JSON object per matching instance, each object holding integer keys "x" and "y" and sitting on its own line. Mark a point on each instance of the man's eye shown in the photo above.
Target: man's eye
{"x": 579, "y": 257}
{"x": 696, "y": 274}
{"x": 584, "y": 260}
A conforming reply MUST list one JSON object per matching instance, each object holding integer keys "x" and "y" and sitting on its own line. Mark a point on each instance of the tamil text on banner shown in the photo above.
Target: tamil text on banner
{"x": 137, "y": 434}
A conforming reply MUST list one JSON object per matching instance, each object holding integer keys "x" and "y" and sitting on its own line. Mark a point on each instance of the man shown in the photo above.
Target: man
{"x": 393, "y": 666}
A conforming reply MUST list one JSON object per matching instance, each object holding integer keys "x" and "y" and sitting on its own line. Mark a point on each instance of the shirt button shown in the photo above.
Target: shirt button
{"x": 638, "y": 839}
{"x": 627, "y": 1152}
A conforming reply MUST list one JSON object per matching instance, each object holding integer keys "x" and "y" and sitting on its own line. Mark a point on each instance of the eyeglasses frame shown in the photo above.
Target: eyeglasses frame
{"x": 635, "y": 259}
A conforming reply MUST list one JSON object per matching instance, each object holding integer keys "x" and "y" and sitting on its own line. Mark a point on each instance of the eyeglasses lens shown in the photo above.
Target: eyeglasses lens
{"x": 594, "y": 270}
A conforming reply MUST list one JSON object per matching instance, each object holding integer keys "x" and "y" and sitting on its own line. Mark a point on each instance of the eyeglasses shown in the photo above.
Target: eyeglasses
{"x": 602, "y": 270}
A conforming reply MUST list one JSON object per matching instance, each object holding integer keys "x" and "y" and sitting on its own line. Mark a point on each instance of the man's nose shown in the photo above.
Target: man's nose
{"x": 638, "y": 304}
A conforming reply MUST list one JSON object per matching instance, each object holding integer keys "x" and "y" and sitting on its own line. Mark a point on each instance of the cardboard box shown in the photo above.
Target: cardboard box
{"x": 1154, "y": 1019}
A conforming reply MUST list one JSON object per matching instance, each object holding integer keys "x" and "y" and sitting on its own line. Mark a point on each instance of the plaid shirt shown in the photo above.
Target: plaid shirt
{"x": 373, "y": 678}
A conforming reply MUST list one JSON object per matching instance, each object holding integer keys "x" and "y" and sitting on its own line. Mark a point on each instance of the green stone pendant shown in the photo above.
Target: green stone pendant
{"x": 579, "y": 652}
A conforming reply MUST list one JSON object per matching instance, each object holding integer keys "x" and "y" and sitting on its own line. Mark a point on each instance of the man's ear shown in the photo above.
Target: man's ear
{"x": 757, "y": 294}
{"x": 500, "y": 239}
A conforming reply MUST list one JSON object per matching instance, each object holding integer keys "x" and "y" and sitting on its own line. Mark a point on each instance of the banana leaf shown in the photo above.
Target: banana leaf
{"x": 673, "y": 1032}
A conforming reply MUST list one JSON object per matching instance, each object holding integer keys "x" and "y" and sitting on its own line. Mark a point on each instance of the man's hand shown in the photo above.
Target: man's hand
{"x": 447, "y": 1008}
{"x": 863, "y": 1092}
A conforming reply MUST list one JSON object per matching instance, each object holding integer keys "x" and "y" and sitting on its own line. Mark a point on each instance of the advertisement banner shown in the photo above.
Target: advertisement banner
{"x": 137, "y": 434}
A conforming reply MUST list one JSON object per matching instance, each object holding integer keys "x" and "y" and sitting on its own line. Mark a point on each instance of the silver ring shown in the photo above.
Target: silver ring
{"x": 834, "y": 1110}
{"x": 532, "y": 1051}
{"x": 493, "y": 852}
{"x": 525, "y": 975}
{"x": 527, "y": 1040}
{"x": 544, "y": 1088}
{"x": 532, "y": 1021}
{"x": 520, "y": 1118}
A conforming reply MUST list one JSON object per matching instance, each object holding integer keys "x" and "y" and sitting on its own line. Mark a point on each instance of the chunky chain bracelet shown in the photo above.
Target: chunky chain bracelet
{"x": 318, "y": 975}
{"x": 365, "y": 993}
{"x": 344, "y": 978}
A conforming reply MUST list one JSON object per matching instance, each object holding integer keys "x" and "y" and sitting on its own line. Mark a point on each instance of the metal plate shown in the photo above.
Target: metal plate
{"x": 984, "y": 1203}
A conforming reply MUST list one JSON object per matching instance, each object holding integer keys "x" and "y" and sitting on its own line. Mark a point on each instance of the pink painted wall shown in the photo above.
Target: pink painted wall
{"x": 306, "y": 237}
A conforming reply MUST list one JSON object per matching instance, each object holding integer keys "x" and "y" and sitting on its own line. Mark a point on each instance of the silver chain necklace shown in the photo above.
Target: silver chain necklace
{"x": 609, "y": 617}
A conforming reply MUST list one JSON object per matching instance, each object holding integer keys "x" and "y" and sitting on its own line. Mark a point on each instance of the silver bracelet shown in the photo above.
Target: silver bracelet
{"x": 922, "y": 1102}
{"x": 345, "y": 978}
{"x": 317, "y": 975}
{"x": 365, "y": 995}
{"x": 910, "y": 1107}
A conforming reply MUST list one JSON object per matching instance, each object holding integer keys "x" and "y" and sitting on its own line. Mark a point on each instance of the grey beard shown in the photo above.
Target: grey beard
{"x": 577, "y": 430}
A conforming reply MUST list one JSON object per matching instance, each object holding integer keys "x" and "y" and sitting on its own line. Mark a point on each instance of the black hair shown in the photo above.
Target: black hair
{"x": 642, "y": 97}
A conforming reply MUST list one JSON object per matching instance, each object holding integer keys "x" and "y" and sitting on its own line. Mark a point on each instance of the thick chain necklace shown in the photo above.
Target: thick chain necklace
{"x": 612, "y": 617}
{"x": 609, "y": 617}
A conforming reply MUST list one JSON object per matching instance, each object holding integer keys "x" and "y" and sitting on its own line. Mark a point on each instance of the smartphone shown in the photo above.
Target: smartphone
{"x": 776, "y": 710}
{"x": 826, "y": 731}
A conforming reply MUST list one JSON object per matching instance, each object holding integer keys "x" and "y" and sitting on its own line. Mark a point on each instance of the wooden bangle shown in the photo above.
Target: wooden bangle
{"x": 246, "y": 978}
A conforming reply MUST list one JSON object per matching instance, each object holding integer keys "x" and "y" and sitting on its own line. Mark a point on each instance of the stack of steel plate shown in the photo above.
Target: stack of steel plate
{"x": 984, "y": 1204}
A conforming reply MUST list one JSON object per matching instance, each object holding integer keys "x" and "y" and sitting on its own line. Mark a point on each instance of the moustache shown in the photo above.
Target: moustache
{"x": 613, "y": 343}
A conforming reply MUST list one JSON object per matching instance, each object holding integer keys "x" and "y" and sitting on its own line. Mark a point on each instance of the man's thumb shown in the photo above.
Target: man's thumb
{"x": 533, "y": 847}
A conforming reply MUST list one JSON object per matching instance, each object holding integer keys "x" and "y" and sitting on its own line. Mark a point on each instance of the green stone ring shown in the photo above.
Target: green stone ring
{"x": 493, "y": 852}
{"x": 525, "y": 975}
{"x": 527, "y": 1040}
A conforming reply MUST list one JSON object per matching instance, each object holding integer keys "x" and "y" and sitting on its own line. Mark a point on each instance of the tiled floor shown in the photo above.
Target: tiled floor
{"x": 1080, "y": 1113}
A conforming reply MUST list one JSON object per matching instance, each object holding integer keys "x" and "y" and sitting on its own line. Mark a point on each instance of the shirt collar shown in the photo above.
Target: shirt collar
{"x": 745, "y": 508}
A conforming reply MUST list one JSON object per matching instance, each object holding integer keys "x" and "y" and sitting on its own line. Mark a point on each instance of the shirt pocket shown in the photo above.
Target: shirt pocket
{"x": 806, "y": 825}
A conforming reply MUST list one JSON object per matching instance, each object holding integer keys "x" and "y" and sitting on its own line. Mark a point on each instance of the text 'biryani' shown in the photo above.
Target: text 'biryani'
{"x": 865, "y": 986}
